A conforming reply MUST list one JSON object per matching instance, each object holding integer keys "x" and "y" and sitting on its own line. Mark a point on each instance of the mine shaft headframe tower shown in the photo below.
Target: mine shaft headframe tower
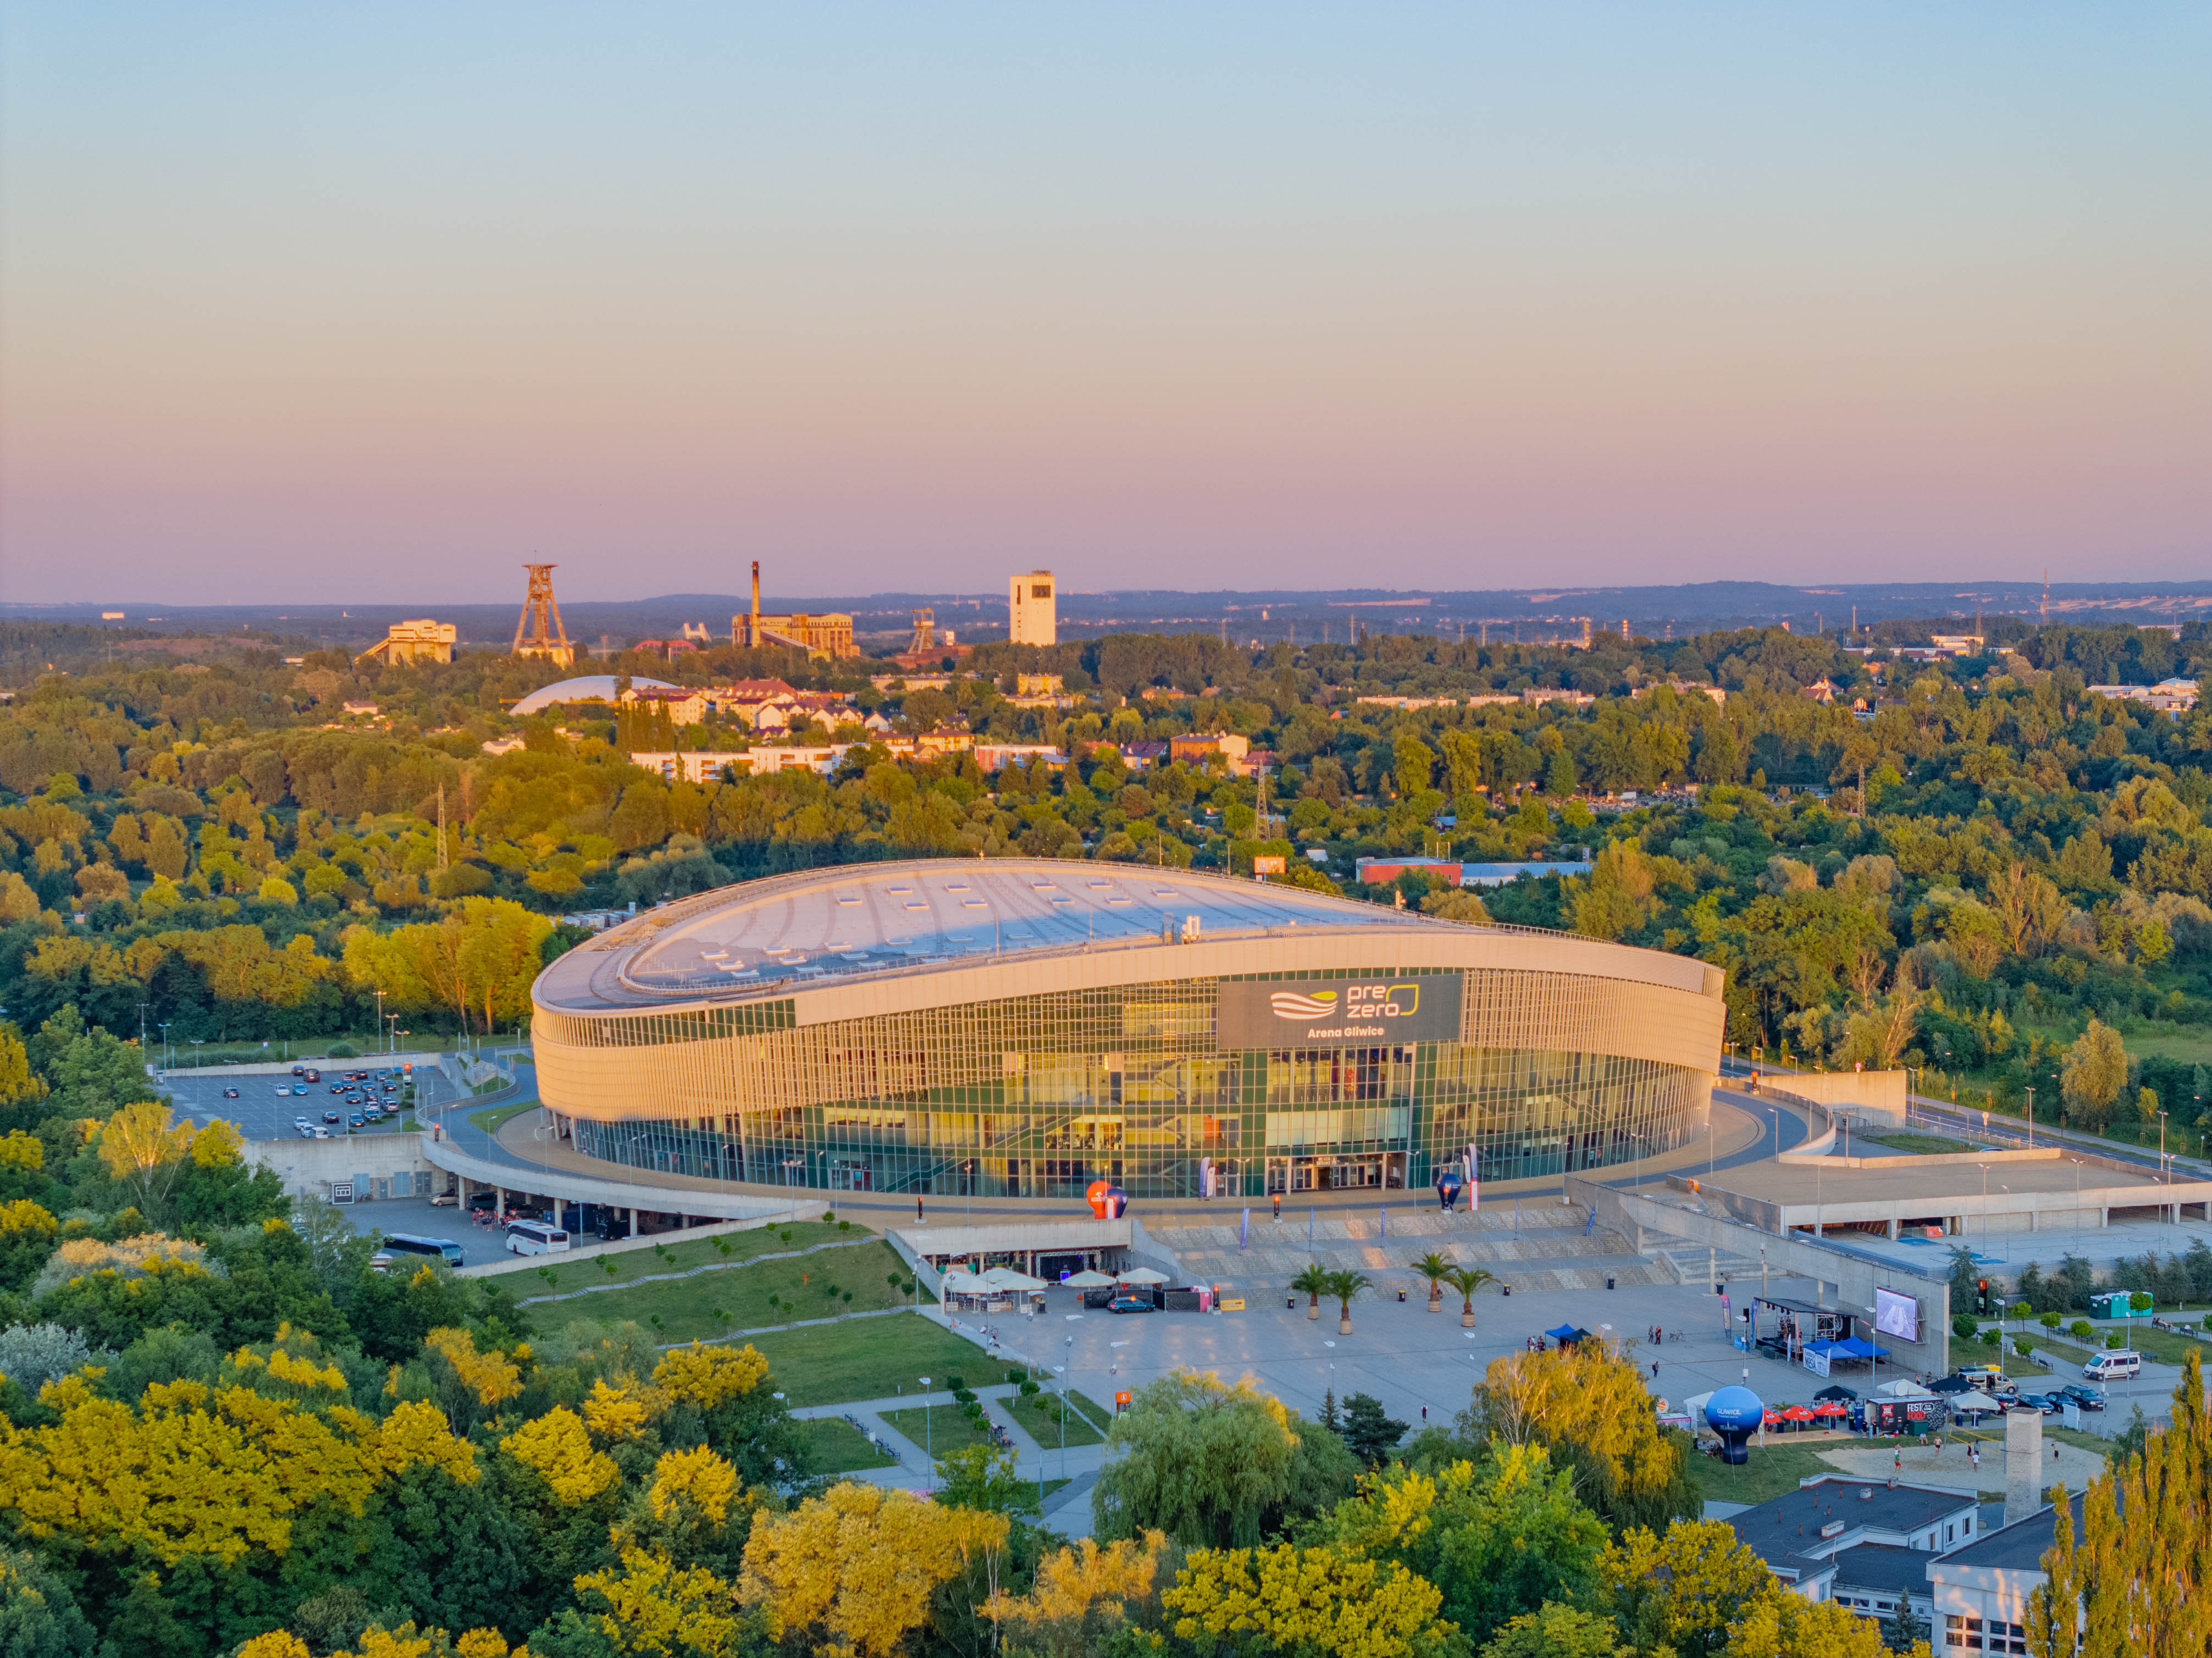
{"x": 539, "y": 631}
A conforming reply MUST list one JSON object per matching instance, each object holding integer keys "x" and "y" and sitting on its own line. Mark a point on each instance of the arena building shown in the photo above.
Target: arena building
{"x": 1019, "y": 1028}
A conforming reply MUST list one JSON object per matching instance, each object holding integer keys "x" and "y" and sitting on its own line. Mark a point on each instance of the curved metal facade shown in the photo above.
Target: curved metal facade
{"x": 1344, "y": 1047}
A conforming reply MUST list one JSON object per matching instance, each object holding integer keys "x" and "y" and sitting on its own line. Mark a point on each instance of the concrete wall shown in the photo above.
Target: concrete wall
{"x": 379, "y": 1165}
{"x": 621, "y": 1194}
{"x": 283, "y": 1067}
{"x": 1873, "y": 1097}
{"x": 1842, "y": 1279}
{"x": 580, "y": 1250}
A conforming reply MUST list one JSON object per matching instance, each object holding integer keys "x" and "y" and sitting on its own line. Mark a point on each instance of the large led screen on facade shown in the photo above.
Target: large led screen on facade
{"x": 1349, "y": 1012}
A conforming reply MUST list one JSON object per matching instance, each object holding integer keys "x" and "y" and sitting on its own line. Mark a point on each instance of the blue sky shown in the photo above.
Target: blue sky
{"x": 372, "y": 303}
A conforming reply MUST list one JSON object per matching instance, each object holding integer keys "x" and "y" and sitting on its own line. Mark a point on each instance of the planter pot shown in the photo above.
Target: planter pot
{"x": 1466, "y": 1321}
{"x": 1313, "y": 1310}
{"x": 1436, "y": 1303}
{"x": 1344, "y": 1326}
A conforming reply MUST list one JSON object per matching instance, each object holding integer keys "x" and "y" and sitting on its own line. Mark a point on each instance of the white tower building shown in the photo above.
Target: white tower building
{"x": 1032, "y": 618}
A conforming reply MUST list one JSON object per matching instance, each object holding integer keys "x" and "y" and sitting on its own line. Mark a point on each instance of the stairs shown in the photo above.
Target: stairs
{"x": 1547, "y": 1246}
{"x": 1692, "y": 1264}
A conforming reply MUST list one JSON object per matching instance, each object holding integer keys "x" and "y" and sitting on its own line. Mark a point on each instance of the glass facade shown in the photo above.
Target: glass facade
{"x": 1037, "y": 1097}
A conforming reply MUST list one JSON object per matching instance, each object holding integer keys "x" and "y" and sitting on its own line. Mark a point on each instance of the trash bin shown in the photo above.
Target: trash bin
{"x": 1608, "y": 1280}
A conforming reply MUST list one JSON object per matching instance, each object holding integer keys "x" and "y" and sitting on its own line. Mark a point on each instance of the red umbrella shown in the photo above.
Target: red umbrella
{"x": 1771, "y": 1418}
{"x": 1830, "y": 1407}
{"x": 1796, "y": 1413}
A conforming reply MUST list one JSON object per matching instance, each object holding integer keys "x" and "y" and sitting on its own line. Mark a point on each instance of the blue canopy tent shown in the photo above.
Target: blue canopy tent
{"x": 1563, "y": 1333}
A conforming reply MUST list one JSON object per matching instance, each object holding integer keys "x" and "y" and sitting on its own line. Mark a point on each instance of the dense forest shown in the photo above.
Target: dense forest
{"x": 1956, "y": 865}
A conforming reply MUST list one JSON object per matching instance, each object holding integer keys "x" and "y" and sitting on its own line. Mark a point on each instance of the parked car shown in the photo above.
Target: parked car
{"x": 443, "y": 1200}
{"x": 2114, "y": 1366}
{"x": 332, "y": 1116}
{"x": 301, "y": 1122}
{"x": 355, "y": 1121}
{"x": 314, "y": 1075}
{"x": 307, "y": 1130}
{"x": 2089, "y": 1399}
{"x": 1128, "y": 1304}
{"x": 230, "y": 1093}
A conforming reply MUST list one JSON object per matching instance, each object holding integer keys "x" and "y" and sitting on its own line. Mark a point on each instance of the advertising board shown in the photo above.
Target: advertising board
{"x": 1897, "y": 1315}
{"x": 1346, "y": 1012}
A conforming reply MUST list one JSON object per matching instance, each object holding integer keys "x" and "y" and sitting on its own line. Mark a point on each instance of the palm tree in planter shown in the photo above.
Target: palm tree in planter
{"x": 1313, "y": 1283}
{"x": 1467, "y": 1280}
{"x": 1435, "y": 1268}
{"x": 1343, "y": 1289}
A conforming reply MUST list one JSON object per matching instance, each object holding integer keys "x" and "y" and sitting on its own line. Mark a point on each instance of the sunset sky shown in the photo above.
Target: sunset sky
{"x": 372, "y": 303}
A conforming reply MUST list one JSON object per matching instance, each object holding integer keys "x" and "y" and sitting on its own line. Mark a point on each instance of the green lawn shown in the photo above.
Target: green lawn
{"x": 1774, "y": 1470}
{"x": 946, "y": 1430}
{"x": 1039, "y": 1416}
{"x": 2189, "y": 1047}
{"x": 841, "y": 1448}
{"x": 868, "y": 1358}
{"x": 678, "y": 1255}
{"x": 1917, "y": 1144}
{"x": 858, "y": 1280}
{"x": 2167, "y": 1347}
{"x": 491, "y": 1121}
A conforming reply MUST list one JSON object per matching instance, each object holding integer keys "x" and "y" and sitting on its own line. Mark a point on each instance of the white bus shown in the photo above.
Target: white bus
{"x": 535, "y": 1237}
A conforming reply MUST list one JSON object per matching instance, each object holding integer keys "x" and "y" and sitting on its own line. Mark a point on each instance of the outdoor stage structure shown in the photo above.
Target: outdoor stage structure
{"x": 1019, "y": 1028}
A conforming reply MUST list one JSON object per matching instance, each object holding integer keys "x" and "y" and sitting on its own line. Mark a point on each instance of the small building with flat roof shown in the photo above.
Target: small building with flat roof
{"x": 1811, "y": 1539}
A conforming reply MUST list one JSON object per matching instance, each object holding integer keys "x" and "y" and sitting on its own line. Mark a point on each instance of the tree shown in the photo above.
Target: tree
{"x": 1434, "y": 1267}
{"x": 1685, "y": 1590}
{"x": 857, "y": 1567}
{"x": 1500, "y": 1537}
{"x": 1590, "y": 1407}
{"x": 979, "y": 1477}
{"x": 1255, "y": 1603}
{"x": 1904, "y": 1628}
{"x": 1208, "y": 1465}
{"x": 2142, "y": 1566}
{"x": 2095, "y": 1071}
{"x": 1617, "y": 898}
{"x": 38, "y": 1616}
{"x": 1369, "y": 1432}
{"x": 1343, "y": 1288}
{"x": 1467, "y": 1280}
{"x": 1558, "y": 1632}
{"x": 143, "y": 1147}
{"x": 1312, "y": 1282}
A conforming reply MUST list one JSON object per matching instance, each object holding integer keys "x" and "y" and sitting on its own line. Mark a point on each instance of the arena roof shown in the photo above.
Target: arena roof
{"x": 859, "y": 918}
{"x": 587, "y": 688}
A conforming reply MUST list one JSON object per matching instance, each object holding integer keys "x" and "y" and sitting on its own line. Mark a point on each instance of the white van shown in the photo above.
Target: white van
{"x": 2110, "y": 1367}
{"x": 535, "y": 1237}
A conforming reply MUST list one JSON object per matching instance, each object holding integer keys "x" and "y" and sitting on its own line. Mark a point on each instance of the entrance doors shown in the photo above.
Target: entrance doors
{"x": 1325, "y": 1173}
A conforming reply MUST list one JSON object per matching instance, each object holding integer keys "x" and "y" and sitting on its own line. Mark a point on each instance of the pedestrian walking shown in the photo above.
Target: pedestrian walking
{"x": 917, "y": 1208}
{"x": 1655, "y": 1370}
{"x": 1279, "y": 1205}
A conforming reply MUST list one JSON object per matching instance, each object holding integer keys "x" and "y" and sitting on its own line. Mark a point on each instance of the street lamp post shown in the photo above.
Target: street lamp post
{"x": 2031, "y": 1116}
{"x": 928, "y": 1446}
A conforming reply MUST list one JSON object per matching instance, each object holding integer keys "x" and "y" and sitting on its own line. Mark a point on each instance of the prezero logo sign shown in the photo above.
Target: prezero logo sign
{"x": 1337, "y": 1013}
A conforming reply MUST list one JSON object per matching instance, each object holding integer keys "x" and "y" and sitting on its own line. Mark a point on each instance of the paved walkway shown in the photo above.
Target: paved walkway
{"x": 1067, "y": 1510}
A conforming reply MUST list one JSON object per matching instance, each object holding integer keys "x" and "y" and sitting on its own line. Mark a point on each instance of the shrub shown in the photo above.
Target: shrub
{"x": 1963, "y": 1327}
{"x": 343, "y": 1051}
{"x": 956, "y": 1381}
{"x": 1990, "y": 1337}
{"x": 2023, "y": 1346}
{"x": 2082, "y": 1330}
{"x": 32, "y": 1355}
{"x": 2115, "y": 1340}
{"x": 1030, "y": 1389}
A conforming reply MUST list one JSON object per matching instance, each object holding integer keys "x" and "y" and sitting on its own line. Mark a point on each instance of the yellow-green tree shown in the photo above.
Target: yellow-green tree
{"x": 1256, "y": 1602}
{"x": 855, "y": 1568}
{"x": 1589, "y": 1406}
{"x": 141, "y": 1146}
{"x": 2095, "y": 1071}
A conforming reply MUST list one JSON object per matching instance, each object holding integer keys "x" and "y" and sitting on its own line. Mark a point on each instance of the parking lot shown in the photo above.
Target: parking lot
{"x": 417, "y": 1216}
{"x": 262, "y": 1114}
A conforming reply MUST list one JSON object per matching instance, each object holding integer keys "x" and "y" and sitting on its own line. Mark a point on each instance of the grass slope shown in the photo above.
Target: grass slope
{"x": 839, "y": 1448}
{"x": 867, "y": 1359}
{"x": 865, "y": 1277}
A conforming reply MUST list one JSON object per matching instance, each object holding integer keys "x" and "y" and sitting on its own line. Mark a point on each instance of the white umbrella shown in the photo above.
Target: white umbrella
{"x": 1087, "y": 1280}
{"x": 1005, "y": 1277}
{"x": 1974, "y": 1399}
{"x": 1140, "y": 1275}
{"x": 961, "y": 1283}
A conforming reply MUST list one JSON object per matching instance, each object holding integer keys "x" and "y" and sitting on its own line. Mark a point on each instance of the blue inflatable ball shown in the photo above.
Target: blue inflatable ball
{"x": 1735, "y": 1413}
{"x": 1734, "y": 1409}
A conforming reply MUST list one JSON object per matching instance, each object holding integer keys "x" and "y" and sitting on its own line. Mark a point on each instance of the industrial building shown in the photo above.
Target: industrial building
{"x": 828, "y": 634}
{"x": 1032, "y": 614}
{"x": 406, "y": 643}
{"x": 1020, "y": 1028}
